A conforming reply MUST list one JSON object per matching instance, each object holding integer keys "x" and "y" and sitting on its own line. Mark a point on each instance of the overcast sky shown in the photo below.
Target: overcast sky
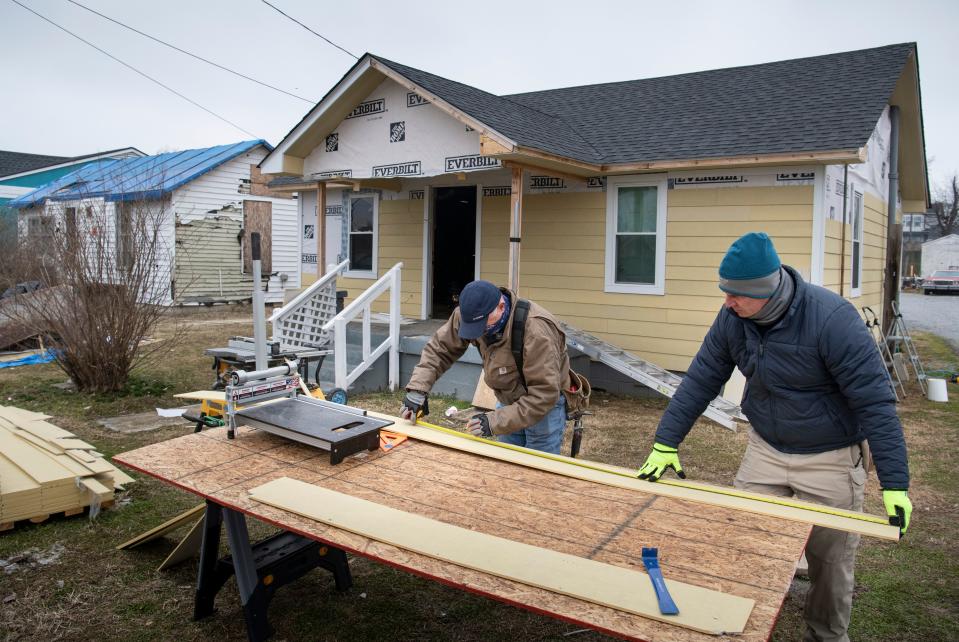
{"x": 64, "y": 98}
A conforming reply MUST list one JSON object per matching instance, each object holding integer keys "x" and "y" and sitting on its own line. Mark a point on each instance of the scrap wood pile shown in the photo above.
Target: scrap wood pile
{"x": 45, "y": 470}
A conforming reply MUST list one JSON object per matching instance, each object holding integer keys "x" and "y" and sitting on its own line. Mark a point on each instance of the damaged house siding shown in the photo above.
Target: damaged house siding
{"x": 210, "y": 219}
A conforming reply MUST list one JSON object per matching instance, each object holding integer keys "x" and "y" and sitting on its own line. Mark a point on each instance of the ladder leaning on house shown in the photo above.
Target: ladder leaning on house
{"x": 659, "y": 379}
{"x": 898, "y": 338}
{"x": 875, "y": 329}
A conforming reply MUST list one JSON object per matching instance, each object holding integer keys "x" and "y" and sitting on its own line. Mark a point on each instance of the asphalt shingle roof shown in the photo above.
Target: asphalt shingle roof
{"x": 17, "y": 162}
{"x": 814, "y": 104}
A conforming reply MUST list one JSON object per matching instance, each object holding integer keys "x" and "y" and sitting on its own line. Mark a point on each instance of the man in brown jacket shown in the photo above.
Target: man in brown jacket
{"x": 532, "y": 409}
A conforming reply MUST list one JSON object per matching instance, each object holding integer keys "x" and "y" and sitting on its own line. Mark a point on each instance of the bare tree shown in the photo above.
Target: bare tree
{"x": 106, "y": 267}
{"x": 946, "y": 207}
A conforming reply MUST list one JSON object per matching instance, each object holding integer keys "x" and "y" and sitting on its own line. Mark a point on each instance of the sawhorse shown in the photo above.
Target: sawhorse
{"x": 260, "y": 568}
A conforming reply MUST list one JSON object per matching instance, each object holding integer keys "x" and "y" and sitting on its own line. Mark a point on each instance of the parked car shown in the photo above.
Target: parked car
{"x": 941, "y": 282}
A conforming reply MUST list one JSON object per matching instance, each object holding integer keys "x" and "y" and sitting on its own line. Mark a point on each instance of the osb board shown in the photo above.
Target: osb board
{"x": 483, "y": 397}
{"x": 750, "y": 556}
{"x": 610, "y": 585}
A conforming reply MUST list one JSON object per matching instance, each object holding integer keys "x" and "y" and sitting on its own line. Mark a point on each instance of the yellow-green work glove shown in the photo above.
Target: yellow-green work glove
{"x": 898, "y": 507}
{"x": 661, "y": 458}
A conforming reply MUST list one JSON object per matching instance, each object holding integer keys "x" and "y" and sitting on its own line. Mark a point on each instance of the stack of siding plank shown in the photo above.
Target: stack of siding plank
{"x": 46, "y": 470}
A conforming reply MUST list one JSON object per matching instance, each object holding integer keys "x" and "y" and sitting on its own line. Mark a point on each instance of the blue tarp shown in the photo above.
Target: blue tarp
{"x": 43, "y": 357}
{"x": 134, "y": 179}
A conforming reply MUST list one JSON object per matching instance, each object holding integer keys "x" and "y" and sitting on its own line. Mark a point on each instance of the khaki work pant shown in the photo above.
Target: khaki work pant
{"x": 834, "y": 478}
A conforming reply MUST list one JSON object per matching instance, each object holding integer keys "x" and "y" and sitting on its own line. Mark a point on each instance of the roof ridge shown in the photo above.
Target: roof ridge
{"x": 711, "y": 71}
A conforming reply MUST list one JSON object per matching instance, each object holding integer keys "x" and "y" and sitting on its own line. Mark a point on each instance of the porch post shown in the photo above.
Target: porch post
{"x": 320, "y": 230}
{"x": 515, "y": 228}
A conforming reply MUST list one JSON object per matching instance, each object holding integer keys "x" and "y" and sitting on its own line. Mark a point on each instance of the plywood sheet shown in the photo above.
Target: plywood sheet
{"x": 189, "y": 547}
{"x": 799, "y": 511}
{"x": 483, "y": 397}
{"x": 700, "y": 609}
{"x": 538, "y": 508}
{"x": 159, "y": 531}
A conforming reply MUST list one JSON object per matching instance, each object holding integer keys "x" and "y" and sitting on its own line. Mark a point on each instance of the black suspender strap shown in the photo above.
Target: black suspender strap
{"x": 518, "y": 335}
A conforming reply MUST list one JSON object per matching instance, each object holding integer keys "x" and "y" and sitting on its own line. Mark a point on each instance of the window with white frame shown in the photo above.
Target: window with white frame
{"x": 635, "y": 234}
{"x": 362, "y": 239}
{"x": 857, "y": 225}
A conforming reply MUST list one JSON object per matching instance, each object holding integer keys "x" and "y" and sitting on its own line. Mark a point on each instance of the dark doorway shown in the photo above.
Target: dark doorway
{"x": 454, "y": 246}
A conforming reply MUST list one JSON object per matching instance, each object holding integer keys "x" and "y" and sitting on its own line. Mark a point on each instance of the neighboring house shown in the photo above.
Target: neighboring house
{"x": 628, "y": 193}
{"x": 917, "y": 228}
{"x": 22, "y": 173}
{"x": 940, "y": 254}
{"x": 209, "y": 201}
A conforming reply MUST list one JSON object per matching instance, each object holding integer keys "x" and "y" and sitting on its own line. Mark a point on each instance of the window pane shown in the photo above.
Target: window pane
{"x": 361, "y": 251}
{"x": 361, "y": 218}
{"x": 856, "y": 259}
{"x": 636, "y": 259}
{"x": 637, "y": 209}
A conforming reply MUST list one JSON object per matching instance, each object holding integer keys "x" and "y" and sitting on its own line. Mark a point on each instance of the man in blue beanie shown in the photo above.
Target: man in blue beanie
{"x": 818, "y": 400}
{"x": 532, "y": 408}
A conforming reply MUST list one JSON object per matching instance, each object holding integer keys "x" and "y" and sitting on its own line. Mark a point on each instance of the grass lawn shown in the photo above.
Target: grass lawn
{"x": 905, "y": 591}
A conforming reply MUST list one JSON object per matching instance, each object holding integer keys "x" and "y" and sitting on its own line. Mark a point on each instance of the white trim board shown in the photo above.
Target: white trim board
{"x": 620, "y": 588}
{"x": 817, "y": 256}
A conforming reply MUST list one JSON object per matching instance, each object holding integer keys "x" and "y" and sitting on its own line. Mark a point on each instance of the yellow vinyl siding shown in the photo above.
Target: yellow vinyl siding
{"x": 400, "y": 230}
{"x": 873, "y": 260}
{"x": 563, "y": 260}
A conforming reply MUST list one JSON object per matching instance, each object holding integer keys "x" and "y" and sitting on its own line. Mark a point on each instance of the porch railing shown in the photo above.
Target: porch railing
{"x": 342, "y": 375}
{"x": 302, "y": 322}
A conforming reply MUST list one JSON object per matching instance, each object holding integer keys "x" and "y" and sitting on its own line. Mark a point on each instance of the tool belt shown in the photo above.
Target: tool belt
{"x": 578, "y": 392}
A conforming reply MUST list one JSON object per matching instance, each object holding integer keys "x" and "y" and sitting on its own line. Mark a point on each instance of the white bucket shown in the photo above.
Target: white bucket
{"x": 936, "y": 390}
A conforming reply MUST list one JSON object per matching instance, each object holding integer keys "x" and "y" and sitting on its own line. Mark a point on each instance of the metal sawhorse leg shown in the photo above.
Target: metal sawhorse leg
{"x": 260, "y": 569}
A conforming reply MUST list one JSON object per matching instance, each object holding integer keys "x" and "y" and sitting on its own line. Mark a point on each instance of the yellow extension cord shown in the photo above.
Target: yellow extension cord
{"x": 691, "y": 485}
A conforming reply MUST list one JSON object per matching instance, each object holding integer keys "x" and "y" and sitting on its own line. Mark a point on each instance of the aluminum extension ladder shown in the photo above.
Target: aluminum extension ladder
{"x": 898, "y": 337}
{"x": 659, "y": 379}
{"x": 875, "y": 329}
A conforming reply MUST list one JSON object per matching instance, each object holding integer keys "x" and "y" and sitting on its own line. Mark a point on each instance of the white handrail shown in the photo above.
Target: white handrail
{"x": 362, "y": 305}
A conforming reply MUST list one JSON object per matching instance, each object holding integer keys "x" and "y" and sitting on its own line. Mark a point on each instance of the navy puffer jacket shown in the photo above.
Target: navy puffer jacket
{"x": 815, "y": 382}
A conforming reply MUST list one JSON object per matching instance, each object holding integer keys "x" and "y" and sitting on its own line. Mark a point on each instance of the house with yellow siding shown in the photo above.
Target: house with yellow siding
{"x": 613, "y": 204}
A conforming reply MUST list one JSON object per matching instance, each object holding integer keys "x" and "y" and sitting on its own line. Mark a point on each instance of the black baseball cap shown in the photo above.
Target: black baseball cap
{"x": 477, "y": 300}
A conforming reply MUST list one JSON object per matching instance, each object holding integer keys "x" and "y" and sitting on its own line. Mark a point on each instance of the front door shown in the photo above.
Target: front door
{"x": 454, "y": 246}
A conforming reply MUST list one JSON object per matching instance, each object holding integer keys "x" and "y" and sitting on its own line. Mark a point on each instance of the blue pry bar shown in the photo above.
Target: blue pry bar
{"x": 651, "y": 561}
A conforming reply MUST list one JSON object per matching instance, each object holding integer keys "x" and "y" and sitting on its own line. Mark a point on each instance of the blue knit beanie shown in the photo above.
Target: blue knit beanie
{"x": 750, "y": 261}
{"x": 752, "y": 256}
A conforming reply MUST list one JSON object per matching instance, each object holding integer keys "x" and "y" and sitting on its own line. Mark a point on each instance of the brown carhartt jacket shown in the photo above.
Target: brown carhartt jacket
{"x": 545, "y": 366}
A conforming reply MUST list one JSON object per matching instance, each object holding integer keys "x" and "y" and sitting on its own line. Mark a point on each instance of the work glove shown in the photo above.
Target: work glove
{"x": 898, "y": 507}
{"x": 661, "y": 458}
{"x": 415, "y": 405}
{"x": 478, "y": 426}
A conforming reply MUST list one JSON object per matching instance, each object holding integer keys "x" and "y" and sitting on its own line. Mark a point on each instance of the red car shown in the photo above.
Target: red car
{"x": 941, "y": 281}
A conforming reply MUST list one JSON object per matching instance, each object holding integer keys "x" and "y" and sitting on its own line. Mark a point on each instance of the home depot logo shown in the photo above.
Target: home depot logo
{"x": 368, "y": 108}
{"x": 415, "y": 100}
{"x": 471, "y": 162}
{"x": 411, "y": 168}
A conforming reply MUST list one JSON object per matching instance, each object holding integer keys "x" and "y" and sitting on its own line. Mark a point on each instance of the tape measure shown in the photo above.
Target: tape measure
{"x": 731, "y": 492}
